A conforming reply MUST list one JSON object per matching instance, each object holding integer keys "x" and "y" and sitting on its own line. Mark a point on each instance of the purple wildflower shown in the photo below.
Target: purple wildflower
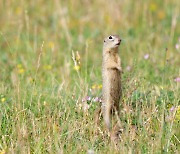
{"x": 177, "y": 46}
{"x": 128, "y": 68}
{"x": 146, "y": 56}
{"x": 172, "y": 109}
{"x": 96, "y": 99}
{"x": 100, "y": 100}
{"x": 177, "y": 79}
{"x": 87, "y": 98}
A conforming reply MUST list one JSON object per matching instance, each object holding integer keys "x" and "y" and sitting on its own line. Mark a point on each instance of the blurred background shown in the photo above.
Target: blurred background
{"x": 57, "y": 27}
{"x": 50, "y": 58}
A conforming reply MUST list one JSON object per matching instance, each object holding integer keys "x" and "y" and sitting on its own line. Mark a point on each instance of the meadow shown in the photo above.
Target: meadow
{"x": 50, "y": 75}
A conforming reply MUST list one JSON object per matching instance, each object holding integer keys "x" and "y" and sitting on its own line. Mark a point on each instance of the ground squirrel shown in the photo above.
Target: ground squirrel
{"x": 111, "y": 76}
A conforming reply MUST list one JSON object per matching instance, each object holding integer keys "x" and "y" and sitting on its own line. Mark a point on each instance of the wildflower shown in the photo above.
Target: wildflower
{"x": 177, "y": 117}
{"x": 47, "y": 67}
{"x": 76, "y": 58}
{"x": 177, "y": 79}
{"x": 19, "y": 66}
{"x": 153, "y": 7}
{"x": 87, "y": 98}
{"x": 94, "y": 86}
{"x": 96, "y": 99}
{"x": 161, "y": 14}
{"x": 20, "y": 69}
{"x": 3, "y": 100}
{"x": 100, "y": 100}
{"x": 18, "y": 10}
{"x": 172, "y": 109}
{"x": 128, "y": 68}
{"x": 146, "y": 56}
{"x": 51, "y": 45}
{"x": 177, "y": 46}
{"x": 100, "y": 86}
{"x": 77, "y": 67}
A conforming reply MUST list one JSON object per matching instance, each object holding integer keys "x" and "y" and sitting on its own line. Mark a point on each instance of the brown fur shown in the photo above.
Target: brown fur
{"x": 111, "y": 74}
{"x": 111, "y": 91}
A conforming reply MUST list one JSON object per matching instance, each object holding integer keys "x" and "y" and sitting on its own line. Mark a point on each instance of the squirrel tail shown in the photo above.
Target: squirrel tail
{"x": 107, "y": 114}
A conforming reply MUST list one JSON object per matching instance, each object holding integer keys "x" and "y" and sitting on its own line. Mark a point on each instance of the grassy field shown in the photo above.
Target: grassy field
{"x": 50, "y": 75}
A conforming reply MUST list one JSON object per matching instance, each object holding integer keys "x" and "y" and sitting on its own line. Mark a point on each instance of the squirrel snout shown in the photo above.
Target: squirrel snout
{"x": 119, "y": 41}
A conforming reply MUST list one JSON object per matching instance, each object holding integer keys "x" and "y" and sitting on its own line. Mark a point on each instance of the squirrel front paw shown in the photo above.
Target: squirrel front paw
{"x": 120, "y": 69}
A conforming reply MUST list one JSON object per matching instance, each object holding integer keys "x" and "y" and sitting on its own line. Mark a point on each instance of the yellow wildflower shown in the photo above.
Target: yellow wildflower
{"x": 47, "y": 67}
{"x": 177, "y": 117}
{"x": 21, "y": 71}
{"x": 153, "y": 7}
{"x": 100, "y": 86}
{"x": 2, "y": 151}
{"x": 3, "y": 100}
{"x": 51, "y": 45}
{"x": 161, "y": 14}
{"x": 19, "y": 66}
{"x": 77, "y": 67}
{"x": 18, "y": 10}
{"x": 94, "y": 86}
{"x": 76, "y": 59}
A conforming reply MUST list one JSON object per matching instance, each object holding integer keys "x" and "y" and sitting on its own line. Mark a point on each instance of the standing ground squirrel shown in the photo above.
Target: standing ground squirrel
{"x": 111, "y": 76}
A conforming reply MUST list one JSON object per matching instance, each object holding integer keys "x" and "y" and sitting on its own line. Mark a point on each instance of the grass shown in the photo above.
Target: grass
{"x": 41, "y": 87}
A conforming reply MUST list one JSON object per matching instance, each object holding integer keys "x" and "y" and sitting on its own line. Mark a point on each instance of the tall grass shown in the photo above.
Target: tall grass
{"x": 48, "y": 99}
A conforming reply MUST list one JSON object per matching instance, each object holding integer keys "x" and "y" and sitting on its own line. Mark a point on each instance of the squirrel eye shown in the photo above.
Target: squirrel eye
{"x": 110, "y": 37}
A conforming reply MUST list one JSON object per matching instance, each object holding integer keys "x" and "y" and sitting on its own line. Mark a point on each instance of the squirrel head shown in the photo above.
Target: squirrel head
{"x": 111, "y": 43}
